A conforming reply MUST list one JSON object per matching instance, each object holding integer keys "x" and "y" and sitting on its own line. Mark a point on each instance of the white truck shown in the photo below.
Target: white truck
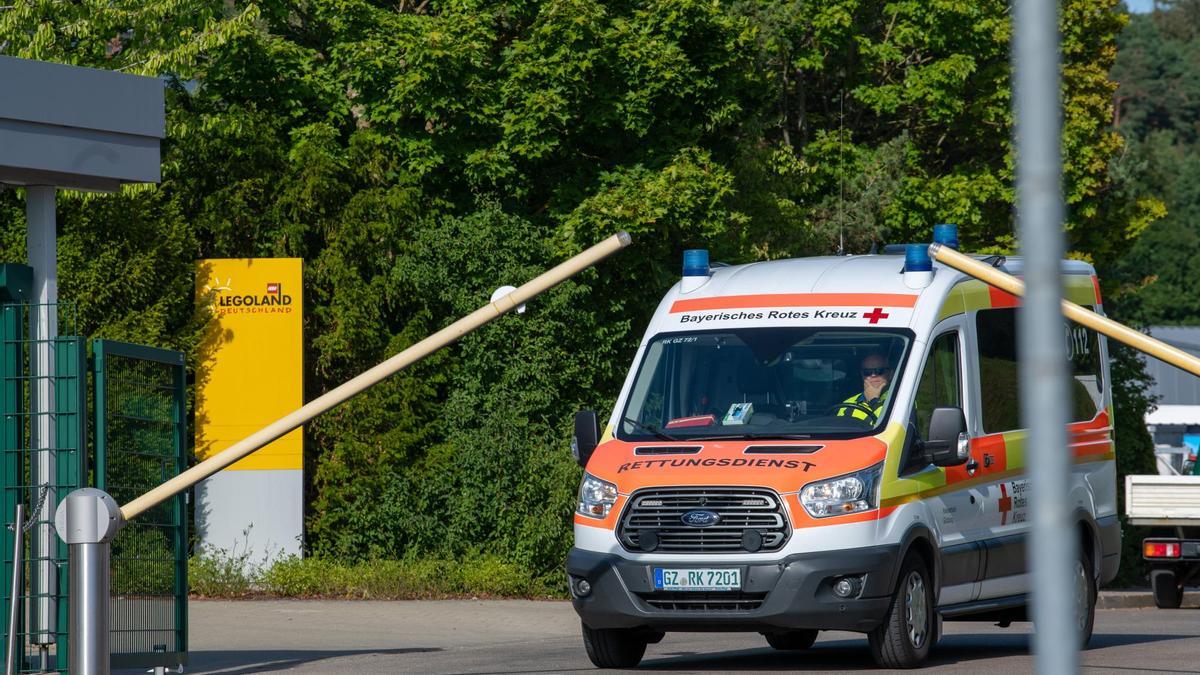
{"x": 1170, "y": 504}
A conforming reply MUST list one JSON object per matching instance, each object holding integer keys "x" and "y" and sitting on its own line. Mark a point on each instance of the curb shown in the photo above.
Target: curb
{"x": 1138, "y": 599}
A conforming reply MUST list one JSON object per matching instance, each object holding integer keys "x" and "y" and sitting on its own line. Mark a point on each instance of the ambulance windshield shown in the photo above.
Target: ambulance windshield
{"x": 764, "y": 383}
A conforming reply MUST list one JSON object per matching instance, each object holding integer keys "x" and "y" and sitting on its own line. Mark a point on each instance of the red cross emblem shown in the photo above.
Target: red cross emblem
{"x": 1005, "y": 503}
{"x": 875, "y": 315}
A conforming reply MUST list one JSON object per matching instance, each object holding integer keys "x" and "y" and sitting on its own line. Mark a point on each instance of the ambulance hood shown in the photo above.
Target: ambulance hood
{"x": 783, "y": 466}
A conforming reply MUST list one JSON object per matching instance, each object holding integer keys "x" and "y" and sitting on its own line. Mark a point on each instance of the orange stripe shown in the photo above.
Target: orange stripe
{"x": 1096, "y": 285}
{"x": 1001, "y": 298}
{"x": 796, "y": 300}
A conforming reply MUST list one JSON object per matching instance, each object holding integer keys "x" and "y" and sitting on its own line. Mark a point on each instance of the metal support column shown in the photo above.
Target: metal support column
{"x": 87, "y": 522}
{"x": 43, "y": 328}
{"x": 1041, "y": 345}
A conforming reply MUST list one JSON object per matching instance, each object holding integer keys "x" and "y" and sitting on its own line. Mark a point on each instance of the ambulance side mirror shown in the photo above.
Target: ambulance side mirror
{"x": 586, "y": 437}
{"x": 947, "y": 443}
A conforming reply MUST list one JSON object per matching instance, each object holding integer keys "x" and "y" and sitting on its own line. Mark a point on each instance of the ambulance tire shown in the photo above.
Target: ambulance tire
{"x": 794, "y": 640}
{"x": 613, "y": 647}
{"x": 1085, "y": 607}
{"x": 1168, "y": 594}
{"x": 904, "y": 638}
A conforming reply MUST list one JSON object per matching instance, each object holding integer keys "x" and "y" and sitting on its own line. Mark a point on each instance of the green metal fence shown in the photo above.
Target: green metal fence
{"x": 141, "y": 409}
{"x": 42, "y": 458}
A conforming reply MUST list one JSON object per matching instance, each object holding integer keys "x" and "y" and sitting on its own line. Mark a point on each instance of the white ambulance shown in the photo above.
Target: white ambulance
{"x": 830, "y": 444}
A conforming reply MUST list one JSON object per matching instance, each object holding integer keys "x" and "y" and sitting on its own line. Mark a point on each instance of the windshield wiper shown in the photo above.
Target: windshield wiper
{"x": 653, "y": 430}
{"x": 753, "y": 437}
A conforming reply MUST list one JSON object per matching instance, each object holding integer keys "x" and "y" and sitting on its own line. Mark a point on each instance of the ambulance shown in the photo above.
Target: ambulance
{"x": 831, "y": 443}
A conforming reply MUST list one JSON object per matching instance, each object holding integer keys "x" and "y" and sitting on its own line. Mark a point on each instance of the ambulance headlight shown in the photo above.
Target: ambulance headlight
{"x": 852, "y": 493}
{"x": 596, "y": 497}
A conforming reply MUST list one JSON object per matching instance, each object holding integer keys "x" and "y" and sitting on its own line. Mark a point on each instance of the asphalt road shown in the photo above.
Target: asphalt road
{"x": 234, "y": 638}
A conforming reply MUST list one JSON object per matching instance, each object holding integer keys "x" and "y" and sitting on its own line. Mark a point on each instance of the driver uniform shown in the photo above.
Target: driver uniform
{"x": 876, "y": 405}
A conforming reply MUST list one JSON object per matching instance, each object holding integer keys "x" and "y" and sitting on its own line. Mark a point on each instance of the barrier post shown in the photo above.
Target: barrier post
{"x": 87, "y": 521}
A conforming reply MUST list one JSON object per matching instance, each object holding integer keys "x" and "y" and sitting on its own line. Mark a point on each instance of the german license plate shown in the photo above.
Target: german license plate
{"x": 667, "y": 579}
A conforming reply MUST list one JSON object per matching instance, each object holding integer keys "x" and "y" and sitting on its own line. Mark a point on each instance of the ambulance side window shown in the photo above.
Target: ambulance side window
{"x": 996, "y": 330}
{"x": 941, "y": 381}
{"x": 1087, "y": 372}
{"x": 997, "y": 334}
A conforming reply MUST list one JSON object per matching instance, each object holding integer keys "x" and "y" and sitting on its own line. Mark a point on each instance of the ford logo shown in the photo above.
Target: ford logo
{"x": 700, "y": 518}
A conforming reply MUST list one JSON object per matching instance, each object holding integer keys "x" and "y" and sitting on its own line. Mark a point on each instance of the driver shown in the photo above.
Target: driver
{"x": 877, "y": 376}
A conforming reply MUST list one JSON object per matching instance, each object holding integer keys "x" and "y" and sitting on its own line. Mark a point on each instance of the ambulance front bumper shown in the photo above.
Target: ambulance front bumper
{"x": 790, "y": 593}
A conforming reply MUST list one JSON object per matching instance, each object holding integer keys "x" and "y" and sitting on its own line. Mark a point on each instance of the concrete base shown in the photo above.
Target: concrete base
{"x": 259, "y": 514}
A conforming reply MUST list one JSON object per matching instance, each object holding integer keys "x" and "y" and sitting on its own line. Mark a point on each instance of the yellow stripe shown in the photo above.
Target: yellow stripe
{"x": 1014, "y": 449}
{"x": 954, "y": 304}
{"x": 968, "y": 296}
{"x": 899, "y": 488}
{"x": 1079, "y": 289}
{"x": 976, "y": 295}
{"x": 960, "y": 485}
{"x": 887, "y": 501}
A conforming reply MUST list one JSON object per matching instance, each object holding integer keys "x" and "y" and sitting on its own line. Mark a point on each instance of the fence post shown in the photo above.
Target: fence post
{"x": 17, "y": 586}
{"x": 1040, "y": 346}
{"x": 87, "y": 521}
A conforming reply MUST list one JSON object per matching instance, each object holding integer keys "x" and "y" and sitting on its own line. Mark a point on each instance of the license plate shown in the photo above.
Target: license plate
{"x": 667, "y": 579}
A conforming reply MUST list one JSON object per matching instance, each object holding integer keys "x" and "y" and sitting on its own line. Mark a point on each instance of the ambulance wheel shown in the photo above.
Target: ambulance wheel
{"x": 907, "y": 632}
{"x": 1167, "y": 592}
{"x": 1085, "y": 598}
{"x": 794, "y": 640}
{"x": 613, "y": 647}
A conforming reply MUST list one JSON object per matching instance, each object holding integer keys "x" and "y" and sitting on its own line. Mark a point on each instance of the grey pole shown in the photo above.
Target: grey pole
{"x": 15, "y": 598}
{"x": 87, "y": 521}
{"x": 43, "y": 328}
{"x": 1041, "y": 342}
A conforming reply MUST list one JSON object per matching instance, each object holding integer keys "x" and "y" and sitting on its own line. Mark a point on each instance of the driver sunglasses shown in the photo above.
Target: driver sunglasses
{"x": 868, "y": 372}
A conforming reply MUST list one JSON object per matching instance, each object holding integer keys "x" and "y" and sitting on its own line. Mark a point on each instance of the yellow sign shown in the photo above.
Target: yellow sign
{"x": 251, "y": 368}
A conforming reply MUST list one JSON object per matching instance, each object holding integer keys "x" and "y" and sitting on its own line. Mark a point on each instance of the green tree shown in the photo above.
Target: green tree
{"x": 1158, "y": 111}
{"x": 419, "y": 154}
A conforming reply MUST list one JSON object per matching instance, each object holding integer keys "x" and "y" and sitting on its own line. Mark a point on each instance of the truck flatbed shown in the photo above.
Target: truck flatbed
{"x": 1170, "y": 501}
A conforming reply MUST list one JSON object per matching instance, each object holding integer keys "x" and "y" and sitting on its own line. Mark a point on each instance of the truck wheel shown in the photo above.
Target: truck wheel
{"x": 907, "y": 631}
{"x": 613, "y": 647}
{"x": 792, "y": 640}
{"x": 1167, "y": 592}
{"x": 1085, "y": 599}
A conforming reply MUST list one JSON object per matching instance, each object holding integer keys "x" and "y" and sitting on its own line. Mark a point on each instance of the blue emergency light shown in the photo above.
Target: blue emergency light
{"x": 946, "y": 234}
{"x": 916, "y": 258}
{"x": 695, "y": 262}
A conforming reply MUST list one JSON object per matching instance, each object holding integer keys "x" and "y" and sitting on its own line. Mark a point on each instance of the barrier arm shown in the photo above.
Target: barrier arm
{"x": 1080, "y": 315}
{"x": 91, "y": 518}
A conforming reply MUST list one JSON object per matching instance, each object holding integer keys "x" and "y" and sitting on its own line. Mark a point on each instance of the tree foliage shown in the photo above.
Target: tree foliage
{"x": 1158, "y": 111}
{"x": 417, "y": 154}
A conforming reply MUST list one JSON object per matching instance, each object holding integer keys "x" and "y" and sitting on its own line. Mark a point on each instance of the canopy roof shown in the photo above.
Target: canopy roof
{"x": 81, "y": 128}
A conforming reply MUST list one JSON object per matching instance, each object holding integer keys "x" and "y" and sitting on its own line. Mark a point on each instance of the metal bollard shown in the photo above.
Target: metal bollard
{"x": 87, "y": 520}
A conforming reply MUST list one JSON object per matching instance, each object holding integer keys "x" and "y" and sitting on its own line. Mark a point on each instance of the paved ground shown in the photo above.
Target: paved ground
{"x": 236, "y": 638}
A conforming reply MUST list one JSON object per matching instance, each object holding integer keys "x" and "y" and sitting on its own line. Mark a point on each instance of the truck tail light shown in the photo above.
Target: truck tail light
{"x": 1161, "y": 549}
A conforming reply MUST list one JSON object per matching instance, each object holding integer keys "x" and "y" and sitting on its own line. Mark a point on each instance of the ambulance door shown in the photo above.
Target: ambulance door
{"x": 955, "y": 505}
{"x": 1000, "y": 450}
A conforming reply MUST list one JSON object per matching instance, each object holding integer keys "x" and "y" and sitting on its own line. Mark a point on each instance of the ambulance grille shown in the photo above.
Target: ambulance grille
{"x": 660, "y": 511}
{"x": 689, "y": 601}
